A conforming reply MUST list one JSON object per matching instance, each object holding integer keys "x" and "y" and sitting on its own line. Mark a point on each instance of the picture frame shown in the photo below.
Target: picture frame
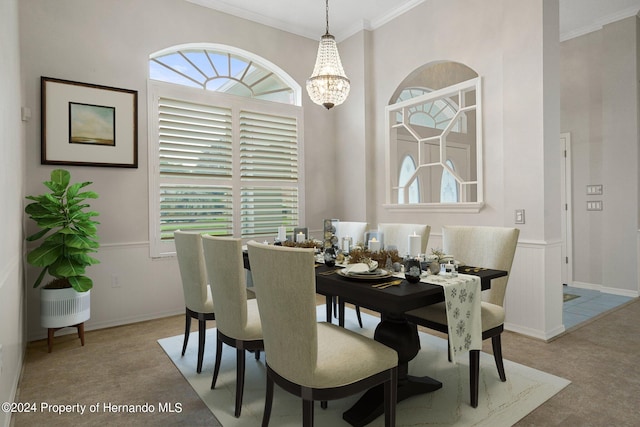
{"x": 86, "y": 124}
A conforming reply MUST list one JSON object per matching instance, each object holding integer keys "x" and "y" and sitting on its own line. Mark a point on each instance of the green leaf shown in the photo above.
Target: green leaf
{"x": 81, "y": 283}
{"x": 60, "y": 177}
{"x": 38, "y": 235}
{"x": 66, "y": 267}
{"x": 46, "y": 254}
{"x": 40, "y": 277}
{"x": 81, "y": 242}
{"x": 87, "y": 195}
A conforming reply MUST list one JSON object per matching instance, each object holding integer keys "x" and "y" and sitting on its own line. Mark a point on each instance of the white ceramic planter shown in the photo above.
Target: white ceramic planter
{"x": 64, "y": 307}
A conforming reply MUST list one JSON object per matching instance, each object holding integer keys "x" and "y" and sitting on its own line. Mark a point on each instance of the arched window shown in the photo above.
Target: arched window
{"x": 225, "y": 144}
{"x": 225, "y": 69}
{"x": 407, "y": 169}
{"x": 448, "y": 185}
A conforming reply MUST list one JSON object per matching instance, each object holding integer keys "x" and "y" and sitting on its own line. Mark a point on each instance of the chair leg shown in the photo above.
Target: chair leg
{"x": 216, "y": 369}
{"x": 334, "y": 300}
{"x": 358, "y": 314}
{"x": 390, "y": 399}
{"x": 239, "y": 380}
{"x": 187, "y": 330}
{"x": 202, "y": 331}
{"x": 474, "y": 376}
{"x": 268, "y": 401}
{"x": 307, "y": 413}
{"x": 257, "y": 354}
{"x": 496, "y": 342}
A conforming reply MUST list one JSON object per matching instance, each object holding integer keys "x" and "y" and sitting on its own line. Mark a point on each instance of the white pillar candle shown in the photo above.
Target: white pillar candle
{"x": 282, "y": 233}
{"x": 374, "y": 245}
{"x": 300, "y": 237}
{"x": 415, "y": 242}
{"x": 346, "y": 244}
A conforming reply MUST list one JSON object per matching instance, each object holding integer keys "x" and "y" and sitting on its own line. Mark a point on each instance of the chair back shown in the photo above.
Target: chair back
{"x": 398, "y": 236}
{"x": 490, "y": 247}
{"x": 225, "y": 269}
{"x": 284, "y": 280}
{"x": 192, "y": 270}
{"x": 352, "y": 229}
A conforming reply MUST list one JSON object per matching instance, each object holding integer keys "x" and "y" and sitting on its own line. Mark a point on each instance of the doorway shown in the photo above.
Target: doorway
{"x": 566, "y": 209}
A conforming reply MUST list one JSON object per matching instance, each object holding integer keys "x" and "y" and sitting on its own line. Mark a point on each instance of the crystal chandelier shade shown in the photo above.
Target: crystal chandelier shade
{"x": 328, "y": 85}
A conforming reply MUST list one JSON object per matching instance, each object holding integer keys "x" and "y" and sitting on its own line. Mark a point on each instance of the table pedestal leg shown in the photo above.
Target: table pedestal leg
{"x": 397, "y": 333}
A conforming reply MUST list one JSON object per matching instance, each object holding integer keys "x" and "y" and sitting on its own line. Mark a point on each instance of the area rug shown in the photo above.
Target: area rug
{"x": 500, "y": 404}
{"x": 569, "y": 297}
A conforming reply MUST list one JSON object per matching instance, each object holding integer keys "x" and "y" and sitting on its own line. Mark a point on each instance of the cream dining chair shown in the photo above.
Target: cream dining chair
{"x": 315, "y": 361}
{"x": 489, "y": 247}
{"x": 197, "y": 294}
{"x": 398, "y": 235}
{"x": 356, "y": 230}
{"x": 353, "y": 229}
{"x": 237, "y": 318}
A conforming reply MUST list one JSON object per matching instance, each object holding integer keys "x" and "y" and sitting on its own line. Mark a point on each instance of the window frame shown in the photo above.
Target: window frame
{"x": 156, "y": 89}
{"x": 391, "y": 159}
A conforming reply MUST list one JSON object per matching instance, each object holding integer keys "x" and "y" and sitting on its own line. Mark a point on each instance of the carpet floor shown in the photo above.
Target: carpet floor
{"x": 125, "y": 365}
{"x": 500, "y": 404}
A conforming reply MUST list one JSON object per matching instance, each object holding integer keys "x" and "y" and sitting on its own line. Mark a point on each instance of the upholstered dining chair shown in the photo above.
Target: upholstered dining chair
{"x": 398, "y": 235}
{"x": 315, "y": 361}
{"x": 197, "y": 294}
{"x": 489, "y": 247}
{"x": 237, "y": 318}
{"x": 353, "y": 229}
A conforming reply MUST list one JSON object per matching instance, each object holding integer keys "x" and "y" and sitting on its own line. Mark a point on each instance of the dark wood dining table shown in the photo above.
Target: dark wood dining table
{"x": 394, "y": 330}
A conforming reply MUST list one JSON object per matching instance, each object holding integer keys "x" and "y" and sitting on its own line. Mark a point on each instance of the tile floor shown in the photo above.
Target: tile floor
{"x": 590, "y": 304}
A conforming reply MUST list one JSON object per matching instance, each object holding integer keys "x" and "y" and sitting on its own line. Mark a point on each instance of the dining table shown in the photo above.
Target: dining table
{"x": 393, "y": 330}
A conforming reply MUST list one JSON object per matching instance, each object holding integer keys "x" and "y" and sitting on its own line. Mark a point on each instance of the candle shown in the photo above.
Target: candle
{"x": 300, "y": 237}
{"x": 282, "y": 233}
{"x": 346, "y": 244}
{"x": 374, "y": 245}
{"x": 415, "y": 243}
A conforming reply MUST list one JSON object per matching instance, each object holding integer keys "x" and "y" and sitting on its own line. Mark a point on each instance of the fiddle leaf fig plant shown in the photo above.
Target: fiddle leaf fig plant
{"x": 68, "y": 230}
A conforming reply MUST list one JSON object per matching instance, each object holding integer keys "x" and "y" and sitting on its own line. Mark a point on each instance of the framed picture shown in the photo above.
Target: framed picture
{"x": 88, "y": 125}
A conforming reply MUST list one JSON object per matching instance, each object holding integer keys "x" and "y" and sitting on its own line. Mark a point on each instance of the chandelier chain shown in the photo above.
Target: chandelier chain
{"x": 327, "y": 14}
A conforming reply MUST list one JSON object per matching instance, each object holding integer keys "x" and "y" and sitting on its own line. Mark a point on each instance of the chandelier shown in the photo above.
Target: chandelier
{"x": 328, "y": 85}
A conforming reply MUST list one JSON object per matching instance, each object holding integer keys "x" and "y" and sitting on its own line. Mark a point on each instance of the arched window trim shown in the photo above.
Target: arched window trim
{"x": 264, "y": 63}
{"x": 466, "y": 207}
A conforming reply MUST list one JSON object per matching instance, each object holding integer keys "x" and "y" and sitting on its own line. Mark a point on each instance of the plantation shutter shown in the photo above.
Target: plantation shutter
{"x": 268, "y": 154}
{"x": 195, "y": 141}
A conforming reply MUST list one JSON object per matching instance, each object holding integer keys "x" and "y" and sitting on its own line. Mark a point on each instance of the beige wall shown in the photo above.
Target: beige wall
{"x": 600, "y": 110}
{"x": 108, "y": 43}
{"x": 12, "y": 309}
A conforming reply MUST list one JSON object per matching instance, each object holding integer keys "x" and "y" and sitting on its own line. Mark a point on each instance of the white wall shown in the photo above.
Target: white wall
{"x": 108, "y": 43}
{"x": 12, "y": 310}
{"x": 514, "y": 48}
{"x": 600, "y": 109}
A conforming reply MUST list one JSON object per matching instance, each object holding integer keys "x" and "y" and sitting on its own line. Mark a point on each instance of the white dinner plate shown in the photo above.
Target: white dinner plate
{"x": 369, "y": 275}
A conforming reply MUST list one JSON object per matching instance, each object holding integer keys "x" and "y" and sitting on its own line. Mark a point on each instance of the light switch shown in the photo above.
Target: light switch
{"x": 594, "y": 205}
{"x": 519, "y": 216}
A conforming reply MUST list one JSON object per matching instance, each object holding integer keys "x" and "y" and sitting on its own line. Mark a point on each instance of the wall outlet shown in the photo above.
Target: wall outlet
{"x": 519, "y": 216}
{"x": 115, "y": 281}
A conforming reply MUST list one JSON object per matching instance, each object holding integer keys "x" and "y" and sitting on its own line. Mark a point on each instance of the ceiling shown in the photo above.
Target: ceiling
{"x": 347, "y": 17}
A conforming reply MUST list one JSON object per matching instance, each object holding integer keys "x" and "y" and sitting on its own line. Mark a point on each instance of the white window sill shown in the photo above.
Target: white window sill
{"x": 436, "y": 207}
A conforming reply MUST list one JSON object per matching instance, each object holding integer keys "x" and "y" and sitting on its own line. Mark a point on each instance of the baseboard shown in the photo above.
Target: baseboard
{"x": 606, "y": 289}
{"x": 535, "y": 333}
{"x": 110, "y": 324}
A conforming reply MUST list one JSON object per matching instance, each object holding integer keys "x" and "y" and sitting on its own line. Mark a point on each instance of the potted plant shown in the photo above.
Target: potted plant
{"x": 69, "y": 238}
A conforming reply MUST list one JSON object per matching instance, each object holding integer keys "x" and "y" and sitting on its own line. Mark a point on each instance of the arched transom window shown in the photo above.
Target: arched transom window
{"x": 223, "y": 69}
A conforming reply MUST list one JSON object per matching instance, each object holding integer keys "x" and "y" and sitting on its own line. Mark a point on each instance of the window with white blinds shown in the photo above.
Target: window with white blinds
{"x": 222, "y": 164}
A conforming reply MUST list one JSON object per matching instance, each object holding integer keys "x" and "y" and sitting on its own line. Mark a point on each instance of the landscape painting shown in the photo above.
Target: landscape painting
{"x": 91, "y": 124}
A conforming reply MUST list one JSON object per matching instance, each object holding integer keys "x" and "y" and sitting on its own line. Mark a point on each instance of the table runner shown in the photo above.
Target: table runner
{"x": 463, "y": 305}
